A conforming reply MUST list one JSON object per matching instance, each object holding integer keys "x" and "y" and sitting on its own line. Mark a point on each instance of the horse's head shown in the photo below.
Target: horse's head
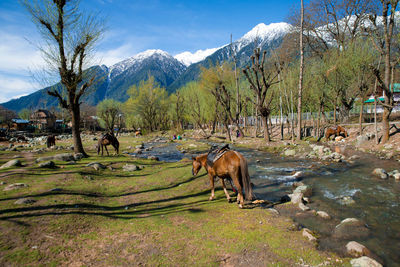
{"x": 196, "y": 166}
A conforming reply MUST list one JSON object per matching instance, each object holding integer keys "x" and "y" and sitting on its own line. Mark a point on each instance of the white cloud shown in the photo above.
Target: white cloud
{"x": 17, "y": 54}
{"x": 14, "y": 87}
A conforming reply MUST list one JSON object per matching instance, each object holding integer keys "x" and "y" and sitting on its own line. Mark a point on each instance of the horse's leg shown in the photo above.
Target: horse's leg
{"x": 228, "y": 197}
{"x": 235, "y": 177}
{"x": 212, "y": 186}
{"x": 108, "y": 154}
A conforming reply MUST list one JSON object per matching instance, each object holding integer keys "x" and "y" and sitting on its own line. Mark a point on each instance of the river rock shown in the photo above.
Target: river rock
{"x": 380, "y": 173}
{"x": 303, "y": 207}
{"x": 396, "y": 176}
{"x": 153, "y": 158}
{"x": 290, "y": 152}
{"x": 12, "y": 163}
{"x": 346, "y": 201}
{"x": 141, "y": 146}
{"x": 319, "y": 149}
{"x": 15, "y": 186}
{"x": 137, "y": 151}
{"x": 361, "y": 139}
{"x": 364, "y": 261}
{"x": 355, "y": 249}
{"x": 308, "y": 234}
{"x": 339, "y": 138}
{"x": 130, "y": 168}
{"x": 350, "y": 228}
{"x": 323, "y": 215}
{"x": 47, "y": 164}
{"x": 304, "y": 189}
{"x": 24, "y": 201}
{"x": 296, "y": 198}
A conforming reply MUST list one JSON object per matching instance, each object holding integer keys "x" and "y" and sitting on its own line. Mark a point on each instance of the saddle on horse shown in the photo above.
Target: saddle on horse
{"x": 215, "y": 153}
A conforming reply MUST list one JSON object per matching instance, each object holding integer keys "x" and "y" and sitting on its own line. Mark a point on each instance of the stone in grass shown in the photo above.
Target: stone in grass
{"x": 380, "y": 173}
{"x": 303, "y": 207}
{"x": 364, "y": 261}
{"x": 12, "y": 163}
{"x": 309, "y": 235}
{"x": 153, "y": 158}
{"x": 297, "y": 198}
{"x": 323, "y": 215}
{"x": 47, "y": 164}
{"x": 24, "y": 201}
{"x": 78, "y": 156}
{"x": 15, "y": 186}
{"x": 98, "y": 166}
{"x": 130, "y": 168}
{"x": 355, "y": 249}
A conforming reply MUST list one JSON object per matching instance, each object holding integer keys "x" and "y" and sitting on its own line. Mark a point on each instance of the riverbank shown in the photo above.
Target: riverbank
{"x": 123, "y": 210}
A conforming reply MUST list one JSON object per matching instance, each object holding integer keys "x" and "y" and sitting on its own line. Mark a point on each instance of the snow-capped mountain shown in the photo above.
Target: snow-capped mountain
{"x": 188, "y": 58}
{"x": 170, "y": 72}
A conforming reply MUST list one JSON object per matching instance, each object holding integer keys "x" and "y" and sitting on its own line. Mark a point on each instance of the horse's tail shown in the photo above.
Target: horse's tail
{"x": 248, "y": 188}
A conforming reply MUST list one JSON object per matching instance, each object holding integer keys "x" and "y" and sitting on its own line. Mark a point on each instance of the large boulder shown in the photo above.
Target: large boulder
{"x": 78, "y": 156}
{"x": 350, "y": 228}
{"x": 361, "y": 139}
{"x": 290, "y": 152}
{"x": 323, "y": 215}
{"x": 12, "y": 163}
{"x": 64, "y": 157}
{"x": 364, "y": 261}
{"x": 24, "y": 201}
{"x": 309, "y": 235}
{"x": 96, "y": 165}
{"x": 355, "y": 249}
{"x": 304, "y": 189}
{"x": 380, "y": 173}
{"x": 296, "y": 198}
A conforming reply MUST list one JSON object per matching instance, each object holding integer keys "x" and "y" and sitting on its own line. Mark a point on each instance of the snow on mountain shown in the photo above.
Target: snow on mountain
{"x": 120, "y": 67}
{"x": 188, "y": 58}
{"x": 264, "y": 33}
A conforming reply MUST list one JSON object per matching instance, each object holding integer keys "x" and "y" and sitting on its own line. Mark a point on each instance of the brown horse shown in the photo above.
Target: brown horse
{"x": 104, "y": 141}
{"x": 51, "y": 141}
{"x": 335, "y": 131}
{"x": 137, "y": 133}
{"x": 231, "y": 165}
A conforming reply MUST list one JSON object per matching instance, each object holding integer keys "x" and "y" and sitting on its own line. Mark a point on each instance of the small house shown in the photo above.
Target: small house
{"x": 43, "y": 119}
{"x": 20, "y": 124}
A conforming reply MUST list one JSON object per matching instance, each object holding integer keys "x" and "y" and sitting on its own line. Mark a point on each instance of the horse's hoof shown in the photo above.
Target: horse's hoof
{"x": 240, "y": 206}
{"x": 230, "y": 200}
{"x": 210, "y": 199}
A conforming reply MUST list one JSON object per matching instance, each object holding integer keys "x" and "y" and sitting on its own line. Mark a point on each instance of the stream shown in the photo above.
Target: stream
{"x": 376, "y": 201}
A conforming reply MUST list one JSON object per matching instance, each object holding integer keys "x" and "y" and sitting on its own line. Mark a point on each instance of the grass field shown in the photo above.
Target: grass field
{"x": 157, "y": 216}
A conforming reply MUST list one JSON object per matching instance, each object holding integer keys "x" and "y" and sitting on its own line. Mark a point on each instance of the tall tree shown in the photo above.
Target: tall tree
{"x": 69, "y": 37}
{"x": 300, "y": 92}
{"x": 261, "y": 80}
{"x": 382, "y": 38}
{"x": 108, "y": 111}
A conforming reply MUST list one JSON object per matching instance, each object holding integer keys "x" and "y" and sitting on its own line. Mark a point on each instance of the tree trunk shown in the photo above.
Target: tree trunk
{"x": 361, "y": 115}
{"x": 75, "y": 120}
{"x": 300, "y": 92}
{"x": 266, "y": 130}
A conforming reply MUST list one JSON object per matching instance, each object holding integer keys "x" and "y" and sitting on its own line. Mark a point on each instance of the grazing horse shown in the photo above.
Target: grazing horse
{"x": 51, "y": 141}
{"x": 104, "y": 141}
{"x": 335, "y": 131}
{"x": 137, "y": 133}
{"x": 231, "y": 165}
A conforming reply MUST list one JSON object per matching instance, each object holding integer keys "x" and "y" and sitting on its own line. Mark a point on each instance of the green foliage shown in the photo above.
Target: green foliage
{"x": 24, "y": 114}
{"x": 147, "y": 106}
{"x": 109, "y": 111}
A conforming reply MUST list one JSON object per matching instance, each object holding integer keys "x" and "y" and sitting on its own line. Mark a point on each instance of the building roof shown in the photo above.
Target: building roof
{"x": 20, "y": 121}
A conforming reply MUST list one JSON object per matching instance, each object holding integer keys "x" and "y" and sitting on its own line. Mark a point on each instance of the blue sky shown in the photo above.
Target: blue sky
{"x": 133, "y": 26}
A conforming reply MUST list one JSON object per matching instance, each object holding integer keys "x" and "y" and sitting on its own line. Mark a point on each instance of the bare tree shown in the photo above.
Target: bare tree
{"x": 260, "y": 82}
{"x": 69, "y": 37}
{"x": 381, "y": 33}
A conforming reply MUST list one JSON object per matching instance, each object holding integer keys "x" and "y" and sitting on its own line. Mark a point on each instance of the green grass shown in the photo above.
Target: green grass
{"x": 159, "y": 215}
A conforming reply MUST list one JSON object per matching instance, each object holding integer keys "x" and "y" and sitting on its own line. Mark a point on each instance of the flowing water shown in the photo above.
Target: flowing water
{"x": 376, "y": 201}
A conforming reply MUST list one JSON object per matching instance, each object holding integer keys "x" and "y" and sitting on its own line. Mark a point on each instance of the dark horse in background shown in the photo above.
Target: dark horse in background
{"x": 104, "y": 141}
{"x": 336, "y": 130}
{"x": 51, "y": 141}
{"x": 231, "y": 165}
